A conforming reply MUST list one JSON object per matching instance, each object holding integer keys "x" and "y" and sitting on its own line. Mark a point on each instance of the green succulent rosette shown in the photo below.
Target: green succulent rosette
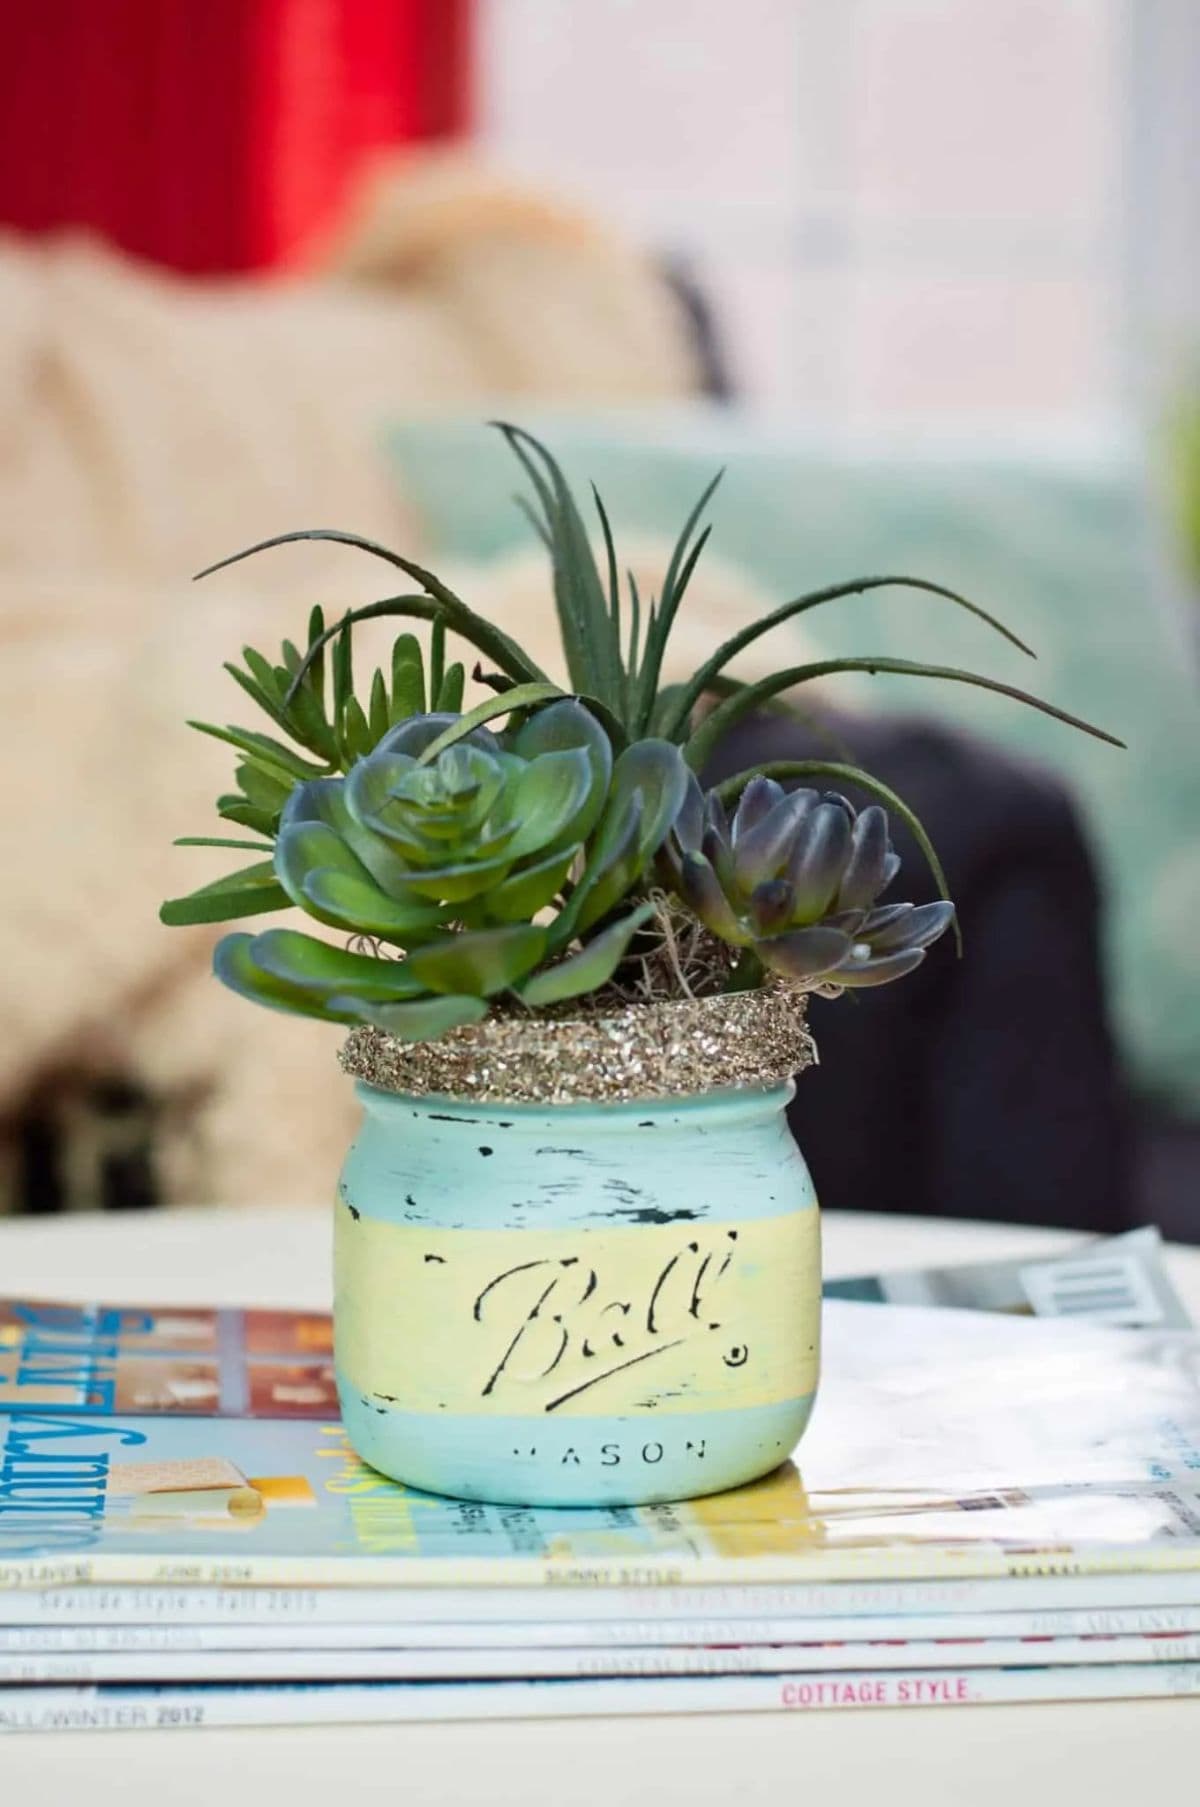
{"x": 482, "y": 859}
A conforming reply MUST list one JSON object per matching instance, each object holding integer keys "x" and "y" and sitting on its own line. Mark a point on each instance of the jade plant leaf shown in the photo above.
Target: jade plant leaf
{"x": 423, "y": 1020}
{"x": 589, "y": 969}
{"x": 479, "y": 962}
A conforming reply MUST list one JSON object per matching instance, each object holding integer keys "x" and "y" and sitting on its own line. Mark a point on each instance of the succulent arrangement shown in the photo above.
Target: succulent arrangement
{"x": 554, "y": 842}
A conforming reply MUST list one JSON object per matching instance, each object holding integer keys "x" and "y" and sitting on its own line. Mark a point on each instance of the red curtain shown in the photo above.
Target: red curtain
{"x": 215, "y": 135}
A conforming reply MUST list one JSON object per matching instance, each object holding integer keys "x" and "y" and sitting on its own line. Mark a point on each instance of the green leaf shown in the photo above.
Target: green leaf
{"x": 653, "y": 770}
{"x": 379, "y": 715}
{"x": 438, "y": 603}
{"x": 661, "y": 622}
{"x": 479, "y": 963}
{"x": 519, "y": 898}
{"x": 587, "y": 970}
{"x": 589, "y": 633}
{"x": 263, "y": 785}
{"x": 726, "y": 715}
{"x": 604, "y": 883}
{"x": 267, "y": 752}
{"x": 449, "y": 699}
{"x": 437, "y": 660}
{"x": 234, "y": 965}
{"x": 408, "y": 678}
{"x": 205, "y": 840}
{"x": 346, "y": 901}
{"x": 424, "y": 1020}
{"x": 235, "y": 808}
{"x": 549, "y": 798}
{"x": 568, "y": 724}
{"x": 316, "y": 967}
{"x": 704, "y": 679}
{"x": 249, "y": 892}
{"x": 521, "y": 696}
{"x": 343, "y": 679}
{"x": 847, "y": 775}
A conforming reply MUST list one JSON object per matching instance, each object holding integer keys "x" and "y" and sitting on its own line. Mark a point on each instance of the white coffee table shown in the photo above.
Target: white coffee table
{"x": 969, "y": 1757}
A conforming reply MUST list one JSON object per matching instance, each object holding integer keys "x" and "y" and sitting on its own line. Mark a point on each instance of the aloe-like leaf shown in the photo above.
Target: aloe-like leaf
{"x": 806, "y": 953}
{"x": 480, "y": 962}
{"x": 269, "y": 753}
{"x": 564, "y": 725}
{"x": 422, "y": 1020}
{"x": 250, "y": 892}
{"x": 439, "y": 601}
{"x": 522, "y": 696}
{"x": 713, "y": 667}
{"x": 589, "y": 634}
{"x": 784, "y": 769}
{"x": 300, "y": 960}
{"x": 235, "y": 966}
{"x": 520, "y": 897}
{"x": 679, "y": 570}
{"x": 437, "y": 661}
{"x": 726, "y": 715}
{"x": 590, "y": 968}
{"x": 610, "y": 553}
{"x": 878, "y": 972}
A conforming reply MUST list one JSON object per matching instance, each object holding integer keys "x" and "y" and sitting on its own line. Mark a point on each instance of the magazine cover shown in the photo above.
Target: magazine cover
{"x": 944, "y": 1443}
{"x": 134, "y": 1708}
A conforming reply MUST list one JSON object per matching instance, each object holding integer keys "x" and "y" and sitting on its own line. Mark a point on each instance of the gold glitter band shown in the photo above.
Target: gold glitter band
{"x": 623, "y": 1055}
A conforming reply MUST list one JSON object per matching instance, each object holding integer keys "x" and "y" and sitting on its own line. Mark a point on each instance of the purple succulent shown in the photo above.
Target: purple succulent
{"x": 795, "y": 878}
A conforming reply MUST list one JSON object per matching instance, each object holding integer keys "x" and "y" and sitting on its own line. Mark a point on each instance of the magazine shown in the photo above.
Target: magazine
{"x": 536, "y": 1660}
{"x": 945, "y": 1443}
{"x": 1113, "y": 1280}
{"x": 135, "y": 1708}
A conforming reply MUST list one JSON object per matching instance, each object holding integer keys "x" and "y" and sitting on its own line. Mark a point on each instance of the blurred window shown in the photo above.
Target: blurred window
{"x": 940, "y": 211}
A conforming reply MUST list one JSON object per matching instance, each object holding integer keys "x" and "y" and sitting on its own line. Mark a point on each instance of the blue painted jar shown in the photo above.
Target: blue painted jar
{"x": 576, "y": 1304}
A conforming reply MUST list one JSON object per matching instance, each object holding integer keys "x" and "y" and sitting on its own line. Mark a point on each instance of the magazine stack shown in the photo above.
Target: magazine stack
{"x": 998, "y": 1500}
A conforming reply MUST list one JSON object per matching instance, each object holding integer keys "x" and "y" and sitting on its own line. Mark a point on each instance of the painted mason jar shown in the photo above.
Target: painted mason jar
{"x": 576, "y": 1304}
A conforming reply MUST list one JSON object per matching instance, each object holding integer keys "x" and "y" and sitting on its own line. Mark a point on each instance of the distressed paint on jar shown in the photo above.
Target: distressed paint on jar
{"x": 576, "y": 1304}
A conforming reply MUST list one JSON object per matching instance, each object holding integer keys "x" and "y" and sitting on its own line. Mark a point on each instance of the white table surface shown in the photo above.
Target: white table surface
{"x": 968, "y": 1757}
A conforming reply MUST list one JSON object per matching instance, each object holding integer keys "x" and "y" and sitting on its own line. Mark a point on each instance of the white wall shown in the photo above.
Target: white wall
{"x": 905, "y": 211}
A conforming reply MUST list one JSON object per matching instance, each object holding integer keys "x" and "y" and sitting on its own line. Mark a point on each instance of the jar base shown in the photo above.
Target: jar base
{"x": 582, "y": 1461}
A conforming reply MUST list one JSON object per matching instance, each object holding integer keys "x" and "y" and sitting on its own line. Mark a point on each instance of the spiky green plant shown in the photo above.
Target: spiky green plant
{"x": 516, "y": 864}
